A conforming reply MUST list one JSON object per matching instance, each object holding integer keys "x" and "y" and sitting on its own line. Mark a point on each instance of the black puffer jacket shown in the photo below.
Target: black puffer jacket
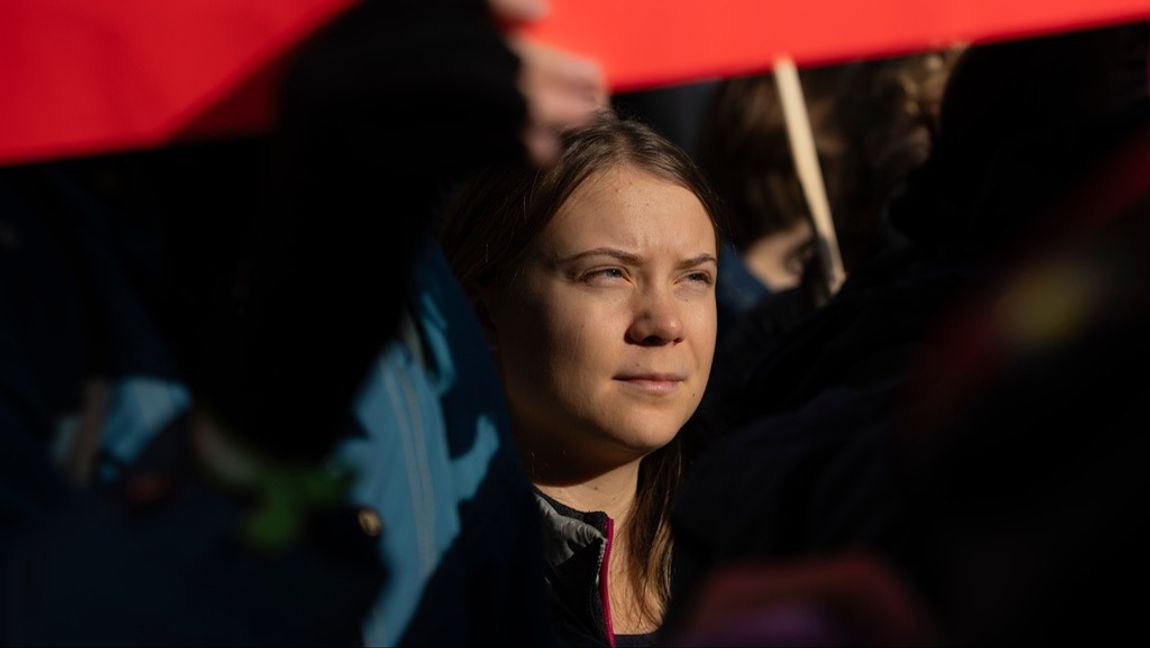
{"x": 577, "y": 548}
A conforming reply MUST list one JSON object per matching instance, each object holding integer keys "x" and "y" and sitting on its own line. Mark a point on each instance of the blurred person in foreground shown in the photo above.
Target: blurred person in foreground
{"x": 294, "y": 502}
{"x": 917, "y": 413}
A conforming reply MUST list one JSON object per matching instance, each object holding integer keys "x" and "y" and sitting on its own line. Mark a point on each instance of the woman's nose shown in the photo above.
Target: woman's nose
{"x": 656, "y": 321}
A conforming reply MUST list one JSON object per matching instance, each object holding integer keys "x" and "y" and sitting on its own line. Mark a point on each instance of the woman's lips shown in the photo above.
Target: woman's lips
{"x": 656, "y": 384}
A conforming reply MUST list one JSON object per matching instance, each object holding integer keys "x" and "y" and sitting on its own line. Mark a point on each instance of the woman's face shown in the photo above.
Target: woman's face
{"x": 604, "y": 340}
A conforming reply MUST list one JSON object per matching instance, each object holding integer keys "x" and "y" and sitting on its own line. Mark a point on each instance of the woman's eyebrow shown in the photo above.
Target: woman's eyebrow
{"x": 622, "y": 256}
{"x": 698, "y": 260}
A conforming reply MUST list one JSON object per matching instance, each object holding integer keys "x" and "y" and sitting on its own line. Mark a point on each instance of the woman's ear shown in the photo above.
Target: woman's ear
{"x": 480, "y": 304}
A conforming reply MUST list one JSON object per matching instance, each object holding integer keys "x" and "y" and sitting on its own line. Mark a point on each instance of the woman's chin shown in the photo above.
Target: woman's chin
{"x": 641, "y": 438}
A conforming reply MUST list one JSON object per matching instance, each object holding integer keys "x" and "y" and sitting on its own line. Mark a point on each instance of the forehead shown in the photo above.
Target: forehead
{"x": 627, "y": 207}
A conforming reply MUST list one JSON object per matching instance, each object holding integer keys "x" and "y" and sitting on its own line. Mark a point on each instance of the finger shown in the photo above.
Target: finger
{"x": 519, "y": 10}
{"x": 542, "y": 144}
{"x": 549, "y": 66}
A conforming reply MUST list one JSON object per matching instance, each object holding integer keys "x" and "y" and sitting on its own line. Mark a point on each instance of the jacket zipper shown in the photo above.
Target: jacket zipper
{"x": 603, "y": 592}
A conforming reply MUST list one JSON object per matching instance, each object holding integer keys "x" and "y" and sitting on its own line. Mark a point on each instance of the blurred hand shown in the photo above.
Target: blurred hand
{"x": 562, "y": 91}
{"x": 518, "y": 10}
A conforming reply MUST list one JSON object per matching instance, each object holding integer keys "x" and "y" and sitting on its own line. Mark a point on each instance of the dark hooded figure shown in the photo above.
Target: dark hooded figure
{"x": 282, "y": 273}
{"x": 821, "y": 450}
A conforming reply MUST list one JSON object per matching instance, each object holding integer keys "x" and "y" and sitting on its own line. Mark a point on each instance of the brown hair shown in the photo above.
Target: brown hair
{"x": 486, "y": 238}
{"x": 745, "y": 154}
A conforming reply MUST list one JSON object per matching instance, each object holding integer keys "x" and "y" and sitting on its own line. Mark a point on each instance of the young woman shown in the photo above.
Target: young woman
{"x": 594, "y": 280}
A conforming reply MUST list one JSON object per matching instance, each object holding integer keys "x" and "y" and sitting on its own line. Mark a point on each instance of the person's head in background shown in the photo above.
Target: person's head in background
{"x": 873, "y": 123}
{"x": 887, "y": 113}
{"x": 745, "y": 154}
{"x": 595, "y": 281}
{"x": 1020, "y": 122}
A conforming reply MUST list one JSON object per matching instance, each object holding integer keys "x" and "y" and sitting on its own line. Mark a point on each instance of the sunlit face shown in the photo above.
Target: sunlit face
{"x": 604, "y": 341}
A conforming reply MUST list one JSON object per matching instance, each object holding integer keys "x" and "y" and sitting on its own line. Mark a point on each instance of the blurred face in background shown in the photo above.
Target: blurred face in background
{"x": 780, "y": 259}
{"x": 604, "y": 337}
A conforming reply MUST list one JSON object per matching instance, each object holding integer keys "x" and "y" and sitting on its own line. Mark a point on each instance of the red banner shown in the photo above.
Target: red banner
{"x": 644, "y": 43}
{"x": 87, "y": 76}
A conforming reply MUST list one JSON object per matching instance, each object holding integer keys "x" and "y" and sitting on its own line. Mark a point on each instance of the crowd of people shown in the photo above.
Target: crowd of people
{"x": 458, "y": 353}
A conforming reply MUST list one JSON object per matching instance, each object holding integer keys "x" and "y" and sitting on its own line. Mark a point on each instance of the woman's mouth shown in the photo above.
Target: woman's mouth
{"x": 652, "y": 383}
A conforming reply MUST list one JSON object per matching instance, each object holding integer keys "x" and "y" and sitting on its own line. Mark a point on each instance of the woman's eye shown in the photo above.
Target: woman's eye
{"x": 796, "y": 260}
{"x": 603, "y": 275}
{"x": 703, "y": 278}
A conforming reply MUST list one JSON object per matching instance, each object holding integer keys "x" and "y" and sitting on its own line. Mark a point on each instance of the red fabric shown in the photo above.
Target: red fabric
{"x": 85, "y": 76}
{"x": 653, "y": 42}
